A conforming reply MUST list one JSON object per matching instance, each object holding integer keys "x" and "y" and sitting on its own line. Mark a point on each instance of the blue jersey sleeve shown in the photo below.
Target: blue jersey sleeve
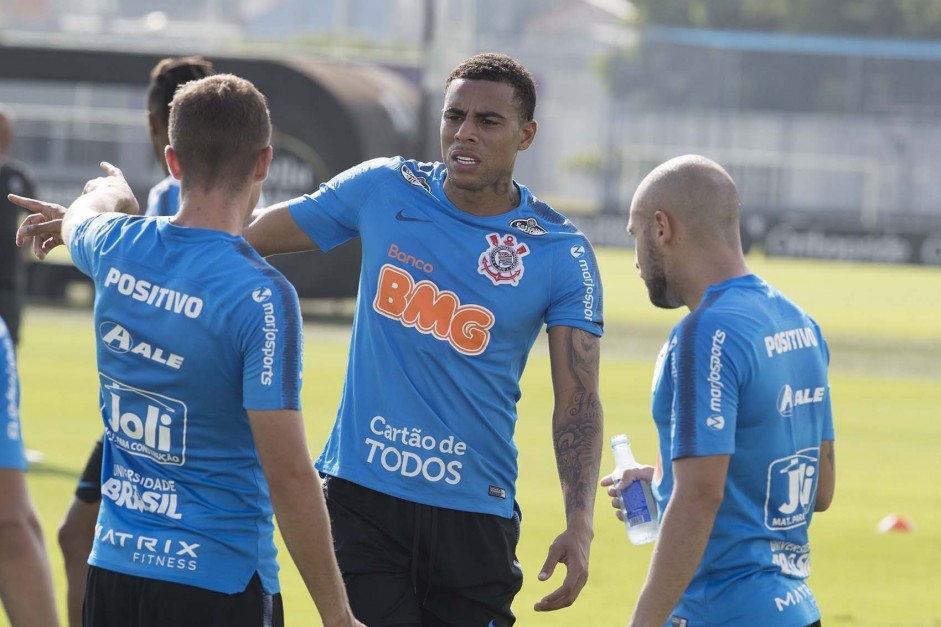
{"x": 577, "y": 299}
{"x": 272, "y": 347}
{"x": 706, "y": 387}
{"x": 12, "y": 454}
{"x": 332, "y": 214}
{"x": 87, "y": 240}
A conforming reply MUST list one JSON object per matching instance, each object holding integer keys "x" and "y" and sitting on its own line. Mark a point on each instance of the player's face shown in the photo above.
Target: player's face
{"x": 649, "y": 261}
{"x": 481, "y": 132}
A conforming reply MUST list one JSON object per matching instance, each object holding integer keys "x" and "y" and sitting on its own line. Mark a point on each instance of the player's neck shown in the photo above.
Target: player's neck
{"x": 489, "y": 201}
{"x": 703, "y": 273}
{"x": 218, "y": 210}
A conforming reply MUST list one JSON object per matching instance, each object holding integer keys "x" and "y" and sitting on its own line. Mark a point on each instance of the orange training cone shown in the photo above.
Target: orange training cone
{"x": 894, "y": 522}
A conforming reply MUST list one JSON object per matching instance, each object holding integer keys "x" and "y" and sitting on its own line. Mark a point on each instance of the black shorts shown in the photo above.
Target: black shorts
{"x": 89, "y": 484}
{"x": 410, "y": 564}
{"x": 117, "y": 600}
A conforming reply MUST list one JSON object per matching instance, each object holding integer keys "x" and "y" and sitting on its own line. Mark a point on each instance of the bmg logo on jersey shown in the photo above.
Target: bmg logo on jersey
{"x": 144, "y": 423}
{"x": 791, "y": 488}
{"x": 429, "y": 309}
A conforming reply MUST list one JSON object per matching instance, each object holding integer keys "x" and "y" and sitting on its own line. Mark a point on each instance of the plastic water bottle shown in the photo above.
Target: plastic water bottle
{"x": 637, "y": 502}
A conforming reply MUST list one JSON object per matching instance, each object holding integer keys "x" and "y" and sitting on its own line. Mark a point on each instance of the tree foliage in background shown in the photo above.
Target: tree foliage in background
{"x": 869, "y": 18}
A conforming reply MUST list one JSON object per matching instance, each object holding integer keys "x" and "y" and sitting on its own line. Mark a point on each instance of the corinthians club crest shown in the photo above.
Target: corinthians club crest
{"x": 503, "y": 262}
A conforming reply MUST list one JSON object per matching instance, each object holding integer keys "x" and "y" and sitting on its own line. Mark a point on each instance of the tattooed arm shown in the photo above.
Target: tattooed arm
{"x": 576, "y": 433}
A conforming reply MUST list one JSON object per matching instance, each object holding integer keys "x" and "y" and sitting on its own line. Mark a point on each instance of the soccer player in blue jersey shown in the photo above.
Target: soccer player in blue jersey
{"x": 25, "y": 581}
{"x": 77, "y": 530}
{"x": 199, "y": 356}
{"x": 741, "y": 403}
{"x": 462, "y": 267}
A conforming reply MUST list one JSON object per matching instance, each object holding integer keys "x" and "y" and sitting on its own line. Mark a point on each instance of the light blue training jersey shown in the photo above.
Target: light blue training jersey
{"x": 164, "y": 198}
{"x": 193, "y": 327}
{"x": 745, "y": 375}
{"x": 12, "y": 453}
{"x": 449, "y": 306}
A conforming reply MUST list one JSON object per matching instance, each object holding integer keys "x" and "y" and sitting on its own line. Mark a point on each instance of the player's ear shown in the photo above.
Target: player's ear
{"x": 263, "y": 163}
{"x": 527, "y": 134}
{"x": 663, "y": 226}
{"x": 173, "y": 162}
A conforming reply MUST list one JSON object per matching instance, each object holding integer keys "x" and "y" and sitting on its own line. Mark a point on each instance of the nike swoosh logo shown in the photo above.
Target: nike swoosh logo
{"x": 401, "y": 217}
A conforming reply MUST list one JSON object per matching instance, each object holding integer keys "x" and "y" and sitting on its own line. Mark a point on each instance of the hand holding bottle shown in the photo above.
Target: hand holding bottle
{"x": 629, "y": 487}
{"x": 618, "y": 480}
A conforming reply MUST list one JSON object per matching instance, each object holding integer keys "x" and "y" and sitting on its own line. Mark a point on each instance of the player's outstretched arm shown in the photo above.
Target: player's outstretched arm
{"x": 301, "y": 512}
{"x": 105, "y": 194}
{"x": 577, "y": 425}
{"x": 273, "y": 231}
{"x": 51, "y": 225}
{"x": 25, "y": 578}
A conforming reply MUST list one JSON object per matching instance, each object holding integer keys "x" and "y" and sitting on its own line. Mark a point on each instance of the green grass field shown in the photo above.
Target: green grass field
{"x": 884, "y": 327}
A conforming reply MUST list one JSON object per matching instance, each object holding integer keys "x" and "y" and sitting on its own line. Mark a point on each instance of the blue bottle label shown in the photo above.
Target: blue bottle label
{"x": 635, "y": 504}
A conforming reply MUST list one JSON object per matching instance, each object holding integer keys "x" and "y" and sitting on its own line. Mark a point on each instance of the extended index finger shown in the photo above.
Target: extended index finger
{"x": 48, "y": 209}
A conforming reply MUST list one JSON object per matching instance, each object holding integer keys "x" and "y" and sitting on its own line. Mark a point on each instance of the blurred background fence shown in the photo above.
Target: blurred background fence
{"x": 832, "y": 137}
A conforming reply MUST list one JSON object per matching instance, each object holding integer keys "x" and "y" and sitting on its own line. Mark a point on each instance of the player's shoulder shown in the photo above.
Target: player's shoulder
{"x": 539, "y": 218}
{"x": 371, "y": 170}
{"x": 399, "y": 171}
{"x": 745, "y": 311}
{"x": 759, "y": 301}
{"x": 113, "y": 226}
{"x": 251, "y": 275}
{"x": 244, "y": 287}
{"x": 424, "y": 175}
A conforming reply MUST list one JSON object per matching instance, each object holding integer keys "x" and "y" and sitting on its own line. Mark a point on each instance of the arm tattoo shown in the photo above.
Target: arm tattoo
{"x": 578, "y": 466}
{"x": 578, "y": 423}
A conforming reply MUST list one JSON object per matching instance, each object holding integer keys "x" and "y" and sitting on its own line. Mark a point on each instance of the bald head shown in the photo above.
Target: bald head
{"x": 697, "y": 193}
{"x": 684, "y": 218}
{"x": 6, "y": 129}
